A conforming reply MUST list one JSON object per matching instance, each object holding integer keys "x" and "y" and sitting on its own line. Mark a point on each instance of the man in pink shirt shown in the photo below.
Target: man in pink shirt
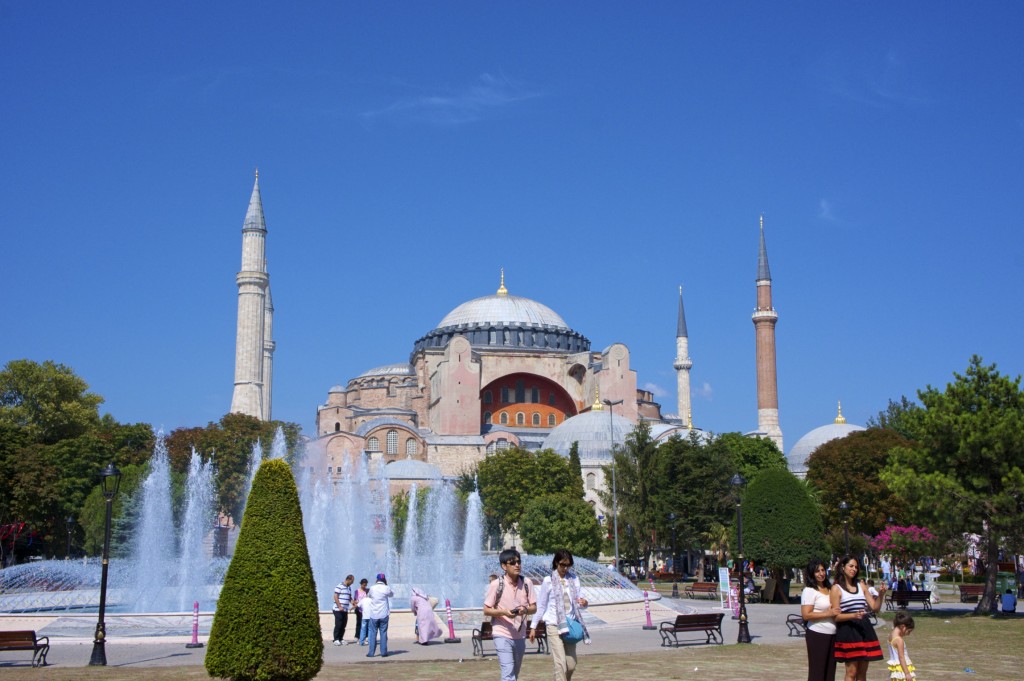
{"x": 509, "y": 602}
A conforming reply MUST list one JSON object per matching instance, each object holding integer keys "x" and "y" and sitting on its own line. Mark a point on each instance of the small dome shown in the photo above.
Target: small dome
{"x": 591, "y": 430}
{"x": 805, "y": 446}
{"x": 400, "y": 369}
{"x": 503, "y": 309}
{"x": 411, "y": 469}
{"x": 336, "y": 389}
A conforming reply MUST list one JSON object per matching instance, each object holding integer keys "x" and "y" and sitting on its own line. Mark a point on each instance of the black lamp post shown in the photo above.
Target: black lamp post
{"x": 744, "y": 632}
{"x": 111, "y": 478}
{"x": 844, "y": 510}
{"x": 70, "y": 523}
{"x": 615, "y": 496}
{"x": 675, "y": 557}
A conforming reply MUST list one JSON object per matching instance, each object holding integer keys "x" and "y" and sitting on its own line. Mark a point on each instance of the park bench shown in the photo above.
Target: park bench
{"x": 708, "y": 623}
{"x": 902, "y": 598}
{"x": 971, "y": 592}
{"x": 26, "y": 640}
{"x": 708, "y": 589}
{"x": 485, "y": 633}
{"x": 796, "y": 624}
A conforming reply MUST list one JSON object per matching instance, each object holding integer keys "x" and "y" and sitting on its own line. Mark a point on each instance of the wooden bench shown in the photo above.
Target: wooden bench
{"x": 902, "y": 598}
{"x": 708, "y": 623}
{"x": 708, "y": 589}
{"x": 796, "y": 624}
{"x": 485, "y": 633}
{"x": 26, "y": 640}
{"x": 971, "y": 592}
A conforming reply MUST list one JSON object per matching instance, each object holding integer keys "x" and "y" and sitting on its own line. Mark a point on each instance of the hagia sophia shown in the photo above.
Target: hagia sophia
{"x": 498, "y": 371}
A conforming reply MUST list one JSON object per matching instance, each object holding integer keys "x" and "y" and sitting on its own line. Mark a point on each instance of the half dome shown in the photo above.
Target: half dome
{"x": 805, "y": 446}
{"x": 594, "y": 433}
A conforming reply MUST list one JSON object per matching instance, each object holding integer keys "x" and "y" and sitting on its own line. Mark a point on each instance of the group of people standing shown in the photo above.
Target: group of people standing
{"x": 372, "y": 609}
{"x": 839, "y": 629}
{"x": 511, "y": 599}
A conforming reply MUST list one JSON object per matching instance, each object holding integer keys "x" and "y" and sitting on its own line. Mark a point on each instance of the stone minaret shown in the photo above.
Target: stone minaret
{"x": 682, "y": 366}
{"x": 254, "y": 348}
{"x": 765, "y": 317}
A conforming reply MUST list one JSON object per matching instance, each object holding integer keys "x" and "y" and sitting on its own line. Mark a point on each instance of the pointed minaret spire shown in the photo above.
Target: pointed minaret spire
{"x": 502, "y": 291}
{"x": 253, "y": 347}
{"x": 682, "y": 364}
{"x": 765, "y": 317}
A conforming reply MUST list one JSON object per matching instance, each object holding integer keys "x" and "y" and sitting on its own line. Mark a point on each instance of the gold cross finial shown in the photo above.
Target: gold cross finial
{"x": 597, "y": 399}
{"x": 839, "y": 418}
{"x": 502, "y": 291}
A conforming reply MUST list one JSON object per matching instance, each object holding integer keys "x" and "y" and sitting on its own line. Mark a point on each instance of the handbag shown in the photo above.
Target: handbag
{"x": 575, "y": 633}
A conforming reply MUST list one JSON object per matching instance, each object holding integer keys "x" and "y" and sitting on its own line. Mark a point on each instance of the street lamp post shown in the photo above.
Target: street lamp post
{"x": 675, "y": 556}
{"x": 844, "y": 510}
{"x": 111, "y": 478}
{"x": 70, "y": 523}
{"x": 744, "y": 632}
{"x": 615, "y": 496}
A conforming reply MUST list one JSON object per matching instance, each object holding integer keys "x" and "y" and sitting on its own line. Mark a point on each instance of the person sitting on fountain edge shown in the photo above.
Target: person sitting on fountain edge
{"x": 508, "y": 602}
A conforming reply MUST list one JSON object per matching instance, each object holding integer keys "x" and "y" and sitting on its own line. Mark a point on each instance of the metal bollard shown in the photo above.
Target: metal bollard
{"x": 647, "y": 611}
{"x": 195, "y": 627}
{"x": 675, "y": 590}
{"x": 452, "y": 638}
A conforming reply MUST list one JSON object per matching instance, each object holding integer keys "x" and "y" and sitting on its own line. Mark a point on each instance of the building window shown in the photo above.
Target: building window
{"x": 410, "y": 447}
{"x": 535, "y": 395}
{"x": 328, "y": 469}
{"x": 536, "y": 419}
{"x": 487, "y": 418}
{"x": 551, "y": 419}
{"x": 373, "y": 444}
{"x": 502, "y": 444}
{"x": 551, "y": 398}
{"x": 591, "y": 481}
{"x": 337, "y": 427}
{"x": 504, "y": 395}
{"x": 490, "y": 448}
{"x": 487, "y": 397}
{"x": 392, "y": 442}
{"x": 520, "y": 419}
{"x": 504, "y": 418}
{"x": 520, "y": 392}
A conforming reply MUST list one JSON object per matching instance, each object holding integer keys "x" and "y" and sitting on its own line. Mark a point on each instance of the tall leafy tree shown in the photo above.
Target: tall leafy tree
{"x": 574, "y": 462}
{"x": 556, "y": 521}
{"x": 49, "y": 401}
{"x": 897, "y": 416}
{"x": 510, "y": 478}
{"x": 848, "y": 469}
{"x": 750, "y": 455}
{"x": 636, "y": 483}
{"x": 965, "y": 472}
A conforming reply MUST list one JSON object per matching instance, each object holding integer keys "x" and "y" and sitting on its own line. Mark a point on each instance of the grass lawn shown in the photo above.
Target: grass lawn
{"x": 941, "y": 647}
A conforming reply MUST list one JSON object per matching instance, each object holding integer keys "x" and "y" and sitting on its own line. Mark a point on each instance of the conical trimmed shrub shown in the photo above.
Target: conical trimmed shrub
{"x": 267, "y": 626}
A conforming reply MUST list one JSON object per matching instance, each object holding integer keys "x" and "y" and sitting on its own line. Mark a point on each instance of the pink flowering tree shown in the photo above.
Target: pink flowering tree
{"x": 904, "y": 543}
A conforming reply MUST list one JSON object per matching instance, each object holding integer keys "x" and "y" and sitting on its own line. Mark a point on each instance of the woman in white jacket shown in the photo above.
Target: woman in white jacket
{"x": 558, "y": 603}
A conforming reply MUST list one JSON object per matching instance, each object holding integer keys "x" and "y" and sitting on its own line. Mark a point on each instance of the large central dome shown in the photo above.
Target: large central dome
{"x": 503, "y": 309}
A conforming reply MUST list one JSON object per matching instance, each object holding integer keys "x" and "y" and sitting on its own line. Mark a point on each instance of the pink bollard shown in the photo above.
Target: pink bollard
{"x": 647, "y": 611}
{"x": 195, "y": 627}
{"x": 651, "y": 580}
{"x": 452, "y": 638}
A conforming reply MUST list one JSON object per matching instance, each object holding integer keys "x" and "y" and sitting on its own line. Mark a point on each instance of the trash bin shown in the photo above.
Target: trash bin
{"x": 1004, "y": 581}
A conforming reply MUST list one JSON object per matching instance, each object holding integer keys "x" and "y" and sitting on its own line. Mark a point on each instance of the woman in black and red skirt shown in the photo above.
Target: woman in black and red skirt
{"x": 856, "y": 641}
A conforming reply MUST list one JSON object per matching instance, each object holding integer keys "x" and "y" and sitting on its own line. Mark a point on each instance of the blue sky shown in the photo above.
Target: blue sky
{"x": 603, "y": 153}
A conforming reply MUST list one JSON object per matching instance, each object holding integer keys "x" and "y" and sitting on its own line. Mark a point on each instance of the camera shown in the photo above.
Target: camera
{"x": 516, "y": 612}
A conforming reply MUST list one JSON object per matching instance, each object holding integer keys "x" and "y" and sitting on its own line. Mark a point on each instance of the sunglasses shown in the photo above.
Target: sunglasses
{"x": 514, "y": 561}
{"x": 565, "y": 565}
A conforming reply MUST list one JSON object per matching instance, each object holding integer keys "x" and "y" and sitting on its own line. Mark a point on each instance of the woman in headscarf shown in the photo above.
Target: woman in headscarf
{"x": 559, "y": 602}
{"x": 426, "y": 623}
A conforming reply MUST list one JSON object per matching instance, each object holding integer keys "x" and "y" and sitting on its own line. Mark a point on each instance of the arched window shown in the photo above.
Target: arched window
{"x": 392, "y": 442}
{"x": 410, "y": 447}
{"x": 520, "y": 419}
{"x": 591, "y": 481}
{"x": 552, "y": 420}
{"x": 504, "y": 395}
{"x": 487, "y": 418}
{"x": 536, "y": 419}
{"x": 487, "y": 397}
{"x": 373, "y": 445}
{"x": 490, "y": 447}
{"x": 337, "y": 427}
{"x": 504, "y": 418}
{"x": 502, "y": 444}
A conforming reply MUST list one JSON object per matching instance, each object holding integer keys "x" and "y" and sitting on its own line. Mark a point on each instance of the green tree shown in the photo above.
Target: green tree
{"x": 510, "y": 478}
{"x": 898, "y": 416}
{"x": 636, "y": 482}
{"x": 965, "y": 472}
{"x": 267, "y": 626}
{"x": 558, "y": 521}
{"x": 847, "y": 469}
{"x": 782, "y": 527}
{"x": 750, "y": 455}
{"x": 49, "y": 401}
{"x": 574, "y": 462}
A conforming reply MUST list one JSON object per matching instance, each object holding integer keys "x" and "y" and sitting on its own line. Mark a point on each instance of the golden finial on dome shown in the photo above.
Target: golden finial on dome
{"x": 597, "y": 399}
{"x": 689, "y": 418}
{"x": 502, "y": 291}
{"x": 839, "y": 418}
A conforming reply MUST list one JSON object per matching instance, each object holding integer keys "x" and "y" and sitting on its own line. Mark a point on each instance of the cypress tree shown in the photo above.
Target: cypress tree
{"x": 267, "y": 624}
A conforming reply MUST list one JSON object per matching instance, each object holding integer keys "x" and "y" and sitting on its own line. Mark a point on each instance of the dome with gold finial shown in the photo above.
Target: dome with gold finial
{"x": 805, "y": 446}
{"x": 503, "y": 320}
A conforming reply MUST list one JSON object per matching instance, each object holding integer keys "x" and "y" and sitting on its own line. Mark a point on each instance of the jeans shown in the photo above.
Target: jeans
{"x": 510, "y": 656}
{"x": 380, "y": 625}
{"x": 364, "y": 630}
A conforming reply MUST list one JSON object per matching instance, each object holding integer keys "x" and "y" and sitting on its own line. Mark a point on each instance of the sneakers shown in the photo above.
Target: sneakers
{"x": 337, "y": 643}
{"x": 346, "y": 643}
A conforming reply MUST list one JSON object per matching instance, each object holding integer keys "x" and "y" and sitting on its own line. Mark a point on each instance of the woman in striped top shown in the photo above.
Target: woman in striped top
{"x": 856, "y": 641}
